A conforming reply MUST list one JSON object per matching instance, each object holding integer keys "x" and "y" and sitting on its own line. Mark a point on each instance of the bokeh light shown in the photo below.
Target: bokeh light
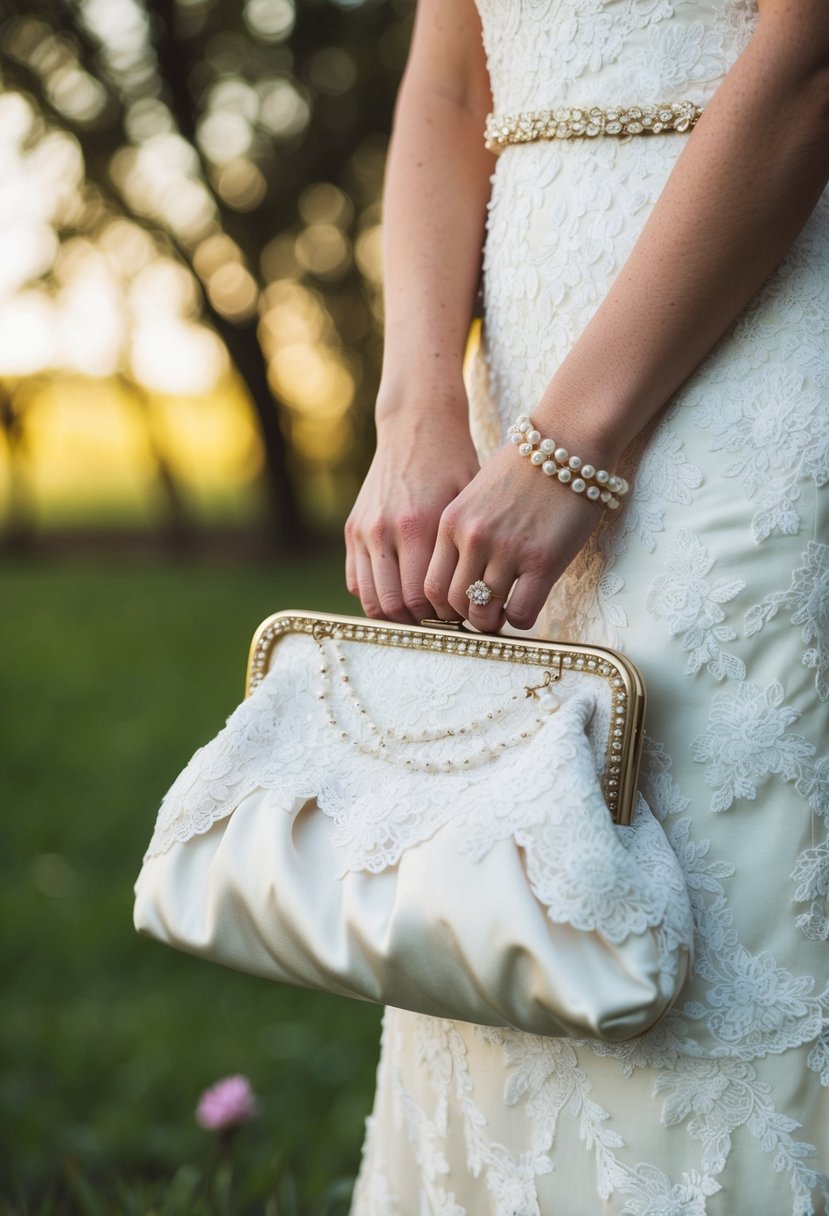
{"x": 177, "y": 204}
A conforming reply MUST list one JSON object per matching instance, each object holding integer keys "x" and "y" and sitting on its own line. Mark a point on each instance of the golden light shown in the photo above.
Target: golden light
{"x": 290, "y": 313}
{"x": 214, "y": 437}
{"x": 283, "y": 111}
{"x": 235, "y": 96}
{"x": 168, "y": 352}
{"x": 224, "y": 135}
{"x": 307, "y": 369}
{"x": 233, "y": 291}
{"x": 241, "y": 184}
{"x": 159, "y": 179}
{"x": 17, "y": 118}
{"x": 27, "y": 250}
{"x": 76, "y": 257}
{"x": 214, "y": 252}
{"x": 128, "y": 247}
{"x": 87, "y": 445}
{"x": 314, "y": 382}
{"x": 176, "y": 357}
{"x": 54, "y": 168}
{"x": 163, "y": 290}
{"x": 76, "y": 93}
{"x": 27, "y": 333}
{"x": 325, "y": 203}
{"x": 90, "y": 319}
{"x": 324, "y": 250}
{"x": 271, "y": 20}
{"x": 368, "y": 253}
{"x": 122, "y": 26}
{"x": 146, "y": 118}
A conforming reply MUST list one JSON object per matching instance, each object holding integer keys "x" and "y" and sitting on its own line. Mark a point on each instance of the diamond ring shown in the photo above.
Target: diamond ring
{"x": 479, "y": 594}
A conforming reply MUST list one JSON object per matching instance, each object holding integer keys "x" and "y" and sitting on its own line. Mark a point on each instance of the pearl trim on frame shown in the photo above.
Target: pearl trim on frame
{"x": 627, "y": 699}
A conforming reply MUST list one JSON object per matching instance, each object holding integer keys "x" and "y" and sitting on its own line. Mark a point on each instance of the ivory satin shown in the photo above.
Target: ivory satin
{"x": 500, "y": 894}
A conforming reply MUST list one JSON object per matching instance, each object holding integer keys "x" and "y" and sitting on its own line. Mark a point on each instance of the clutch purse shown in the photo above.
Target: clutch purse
{"x": 431, "y": 818}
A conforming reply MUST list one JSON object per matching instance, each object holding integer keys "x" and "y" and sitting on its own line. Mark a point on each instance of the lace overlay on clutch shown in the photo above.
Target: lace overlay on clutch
{"x": 543, "y": 791}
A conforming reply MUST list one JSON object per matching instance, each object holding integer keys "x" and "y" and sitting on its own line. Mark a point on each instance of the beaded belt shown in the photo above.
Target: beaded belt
{"x": 568, "y": 122}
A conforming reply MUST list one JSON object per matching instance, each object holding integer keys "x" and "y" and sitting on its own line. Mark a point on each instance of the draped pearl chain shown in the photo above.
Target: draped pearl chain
{"x": 396, "y": 747}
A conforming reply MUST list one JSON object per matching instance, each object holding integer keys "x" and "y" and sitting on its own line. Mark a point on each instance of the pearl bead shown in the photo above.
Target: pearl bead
{"x": 557, "y": 462}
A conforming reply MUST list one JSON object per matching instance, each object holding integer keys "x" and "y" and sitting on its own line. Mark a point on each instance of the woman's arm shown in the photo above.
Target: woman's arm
{"x": 744, "y": 185}
{"x": 434, "y": 213}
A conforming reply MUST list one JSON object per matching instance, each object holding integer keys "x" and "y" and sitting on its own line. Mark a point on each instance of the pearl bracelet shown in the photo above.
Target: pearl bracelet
{"x": 555, "y": 461}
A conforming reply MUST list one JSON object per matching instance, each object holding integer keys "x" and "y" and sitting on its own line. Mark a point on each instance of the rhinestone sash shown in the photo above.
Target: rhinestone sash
{"x": 569, "y": 122}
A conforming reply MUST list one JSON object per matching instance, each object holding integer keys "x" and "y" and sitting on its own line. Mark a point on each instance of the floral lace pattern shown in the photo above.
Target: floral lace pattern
{"x": 690, "y": 605}
{"x": 584, "y": 870}
{"x": 748, "y": 742}
{"x": 776, "y": 427}
{"x": 808, "y": 595}
{"x": 722, "y": 1106}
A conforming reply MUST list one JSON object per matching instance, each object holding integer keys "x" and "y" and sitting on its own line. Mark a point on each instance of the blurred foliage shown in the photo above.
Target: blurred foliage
{"x": 192, "y": 199}
{"x": 116, "y": 674}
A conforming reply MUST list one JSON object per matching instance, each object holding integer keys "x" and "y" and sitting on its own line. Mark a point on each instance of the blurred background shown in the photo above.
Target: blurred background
{"x": 190, "y": 345}
{"x": 190, "y": 262}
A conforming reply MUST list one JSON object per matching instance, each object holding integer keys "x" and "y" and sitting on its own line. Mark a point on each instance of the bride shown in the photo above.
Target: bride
{"x": 656, "y": 301}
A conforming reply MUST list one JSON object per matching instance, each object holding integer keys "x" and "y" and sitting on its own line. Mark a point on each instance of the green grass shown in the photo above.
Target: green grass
{"x": 110, "y": 676}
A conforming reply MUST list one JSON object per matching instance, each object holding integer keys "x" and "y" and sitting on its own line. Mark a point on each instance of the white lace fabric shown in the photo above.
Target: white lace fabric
{"x": 713, "y": 578}
{"x": 542, "y": 791}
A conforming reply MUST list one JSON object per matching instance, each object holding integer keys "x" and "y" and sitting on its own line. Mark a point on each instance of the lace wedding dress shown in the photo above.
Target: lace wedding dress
{"x": 715, "y": 579}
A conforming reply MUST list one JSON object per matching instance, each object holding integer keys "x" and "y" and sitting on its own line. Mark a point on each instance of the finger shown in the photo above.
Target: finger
{"x": 351, "y": 580}
{"x": 439, "y": 577}
{"x": 528, "y": 598}
{"x": 413, "y": 554}
{"x": 386, "y": 574}
{"x": 497, "y": 580}
{"x": 365, "y": 581}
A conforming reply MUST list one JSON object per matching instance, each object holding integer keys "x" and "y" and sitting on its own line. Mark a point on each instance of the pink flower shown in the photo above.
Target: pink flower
{"x": 226, "y": 1104}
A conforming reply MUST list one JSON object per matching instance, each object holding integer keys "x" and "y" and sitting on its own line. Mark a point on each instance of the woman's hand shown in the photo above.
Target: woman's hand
{"x": 424, "y": 459}
{"x": 511, "y": 525}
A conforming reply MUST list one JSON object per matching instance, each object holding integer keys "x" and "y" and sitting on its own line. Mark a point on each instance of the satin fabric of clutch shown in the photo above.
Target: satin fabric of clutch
{"x": 499, "y": 893}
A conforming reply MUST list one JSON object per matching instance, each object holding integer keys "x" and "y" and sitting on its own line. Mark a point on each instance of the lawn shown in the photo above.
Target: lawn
{"x": 111, "y": 675}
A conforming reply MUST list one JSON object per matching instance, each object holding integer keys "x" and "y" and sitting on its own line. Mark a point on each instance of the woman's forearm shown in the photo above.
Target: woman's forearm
{"x": 435, "y": 199}
{"x": 740, "y": 192}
